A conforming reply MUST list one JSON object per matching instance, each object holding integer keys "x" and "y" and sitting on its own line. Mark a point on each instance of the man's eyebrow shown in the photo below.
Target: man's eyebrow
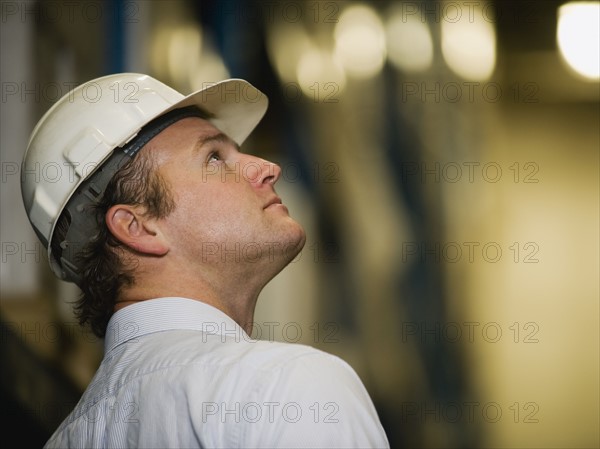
{"x": 219, "y": 138}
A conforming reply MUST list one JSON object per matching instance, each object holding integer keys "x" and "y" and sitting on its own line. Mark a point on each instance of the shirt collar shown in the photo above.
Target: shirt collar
{"x": 161, "y": 314}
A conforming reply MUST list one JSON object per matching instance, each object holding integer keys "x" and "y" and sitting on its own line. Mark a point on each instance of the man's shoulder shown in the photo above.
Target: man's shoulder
{"x": 277, "y": 369}
{"x": 193, "y": 348}
{"x": 251, "y": 354}
{"x": 273, "y": 355}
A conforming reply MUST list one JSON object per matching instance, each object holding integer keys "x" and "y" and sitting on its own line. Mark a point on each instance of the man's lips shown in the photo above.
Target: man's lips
{"x": 273, "y": 201}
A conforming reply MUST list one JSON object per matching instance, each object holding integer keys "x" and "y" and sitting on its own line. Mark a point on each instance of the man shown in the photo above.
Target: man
{"x": 150, "y": 224}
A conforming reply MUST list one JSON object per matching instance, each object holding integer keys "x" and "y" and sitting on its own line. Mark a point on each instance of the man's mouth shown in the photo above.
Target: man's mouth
{"x": 273, "y": 201}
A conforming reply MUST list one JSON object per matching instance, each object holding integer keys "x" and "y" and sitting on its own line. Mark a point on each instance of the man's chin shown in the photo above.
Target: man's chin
{"x": 295, "y": 243}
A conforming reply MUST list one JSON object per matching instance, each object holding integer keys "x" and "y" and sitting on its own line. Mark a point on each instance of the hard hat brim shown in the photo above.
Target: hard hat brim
{"x": 235, "y": 105}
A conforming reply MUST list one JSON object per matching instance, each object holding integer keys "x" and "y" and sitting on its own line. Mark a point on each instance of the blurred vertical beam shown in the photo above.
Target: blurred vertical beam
{"x": 136, "y": 21}
{"x": 115, "y": 36}
{"x": 21, "y": 251}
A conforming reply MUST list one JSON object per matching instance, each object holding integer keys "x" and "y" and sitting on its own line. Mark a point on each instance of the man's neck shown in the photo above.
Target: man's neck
{"x": 236, "y": 297}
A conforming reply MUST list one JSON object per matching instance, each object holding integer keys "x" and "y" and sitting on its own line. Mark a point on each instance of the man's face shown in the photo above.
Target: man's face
{"x": 226, "y": 206}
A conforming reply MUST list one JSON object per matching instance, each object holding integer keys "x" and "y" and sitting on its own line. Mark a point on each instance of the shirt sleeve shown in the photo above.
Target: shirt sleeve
{"x": 314, "y": 400}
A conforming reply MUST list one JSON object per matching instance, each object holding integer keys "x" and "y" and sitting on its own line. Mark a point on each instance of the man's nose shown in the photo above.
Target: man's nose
{"x": 260, "y": 171}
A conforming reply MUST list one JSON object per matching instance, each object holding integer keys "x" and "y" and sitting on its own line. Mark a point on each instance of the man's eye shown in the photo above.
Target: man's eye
{"x": 214, "y": 156}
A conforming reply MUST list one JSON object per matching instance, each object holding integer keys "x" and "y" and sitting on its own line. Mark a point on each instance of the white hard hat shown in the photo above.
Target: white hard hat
{"x": 76, "y": 137}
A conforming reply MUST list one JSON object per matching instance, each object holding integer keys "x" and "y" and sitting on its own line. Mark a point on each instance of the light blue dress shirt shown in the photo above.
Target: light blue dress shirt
{"x": 179, "y": 373}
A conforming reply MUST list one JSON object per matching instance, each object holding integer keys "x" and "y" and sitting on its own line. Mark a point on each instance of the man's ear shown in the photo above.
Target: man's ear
{"x": 129, "y": 225}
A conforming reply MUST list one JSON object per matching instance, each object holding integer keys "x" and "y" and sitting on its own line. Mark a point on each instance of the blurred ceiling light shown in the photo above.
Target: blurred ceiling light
{"x": 206, "y": 69}
{"x": 360, "y": 41}
{"x": 578, "y": 36}
{"x": 185, "y": 45}
{"x": 469, "y": 44}
{"x": 181, "y": 54}
{"x": 320, "y": 77}
{"x": 286, "y": 42}
{"x": 159, "y": 51}
{"x": 409, "y": 42}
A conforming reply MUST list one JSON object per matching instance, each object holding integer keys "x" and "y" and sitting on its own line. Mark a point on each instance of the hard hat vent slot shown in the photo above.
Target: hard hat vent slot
{"x": 95, "y": 190}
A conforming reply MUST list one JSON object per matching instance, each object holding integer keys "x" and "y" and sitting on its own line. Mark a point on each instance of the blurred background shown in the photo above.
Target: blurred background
{"x": 443, "y": 158}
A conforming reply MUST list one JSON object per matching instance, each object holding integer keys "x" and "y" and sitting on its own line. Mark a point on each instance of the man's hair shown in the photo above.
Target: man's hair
{"x": 104, "y": 272}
